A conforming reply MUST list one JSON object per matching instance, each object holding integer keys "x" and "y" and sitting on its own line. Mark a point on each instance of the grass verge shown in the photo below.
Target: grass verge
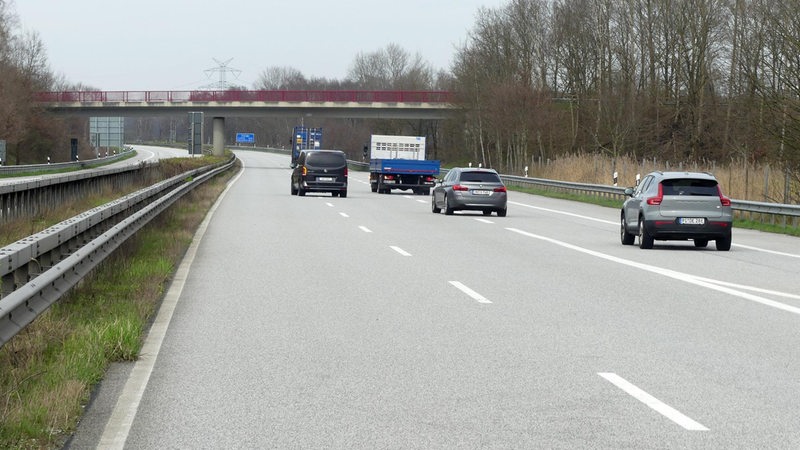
{"x": 48, "y": 371}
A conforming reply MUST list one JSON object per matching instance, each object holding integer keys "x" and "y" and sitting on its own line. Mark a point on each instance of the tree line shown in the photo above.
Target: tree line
{"x": 682, "y": 80}
{"x": 678, "y": 80}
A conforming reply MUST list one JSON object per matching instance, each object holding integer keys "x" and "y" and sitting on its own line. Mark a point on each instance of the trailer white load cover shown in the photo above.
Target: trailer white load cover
{"x": 397, "y": 147}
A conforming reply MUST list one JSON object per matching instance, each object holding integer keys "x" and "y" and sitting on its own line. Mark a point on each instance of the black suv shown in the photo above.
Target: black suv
{"x": 320, "y": 171}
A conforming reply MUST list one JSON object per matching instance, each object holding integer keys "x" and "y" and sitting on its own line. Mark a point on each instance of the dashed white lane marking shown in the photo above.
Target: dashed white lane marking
{"x": 365, "y": 229}
{"x": 399, "y": 250}
{"x": 654, "y": 403}
{"x": 478, "y": 297}
{"x": 329, "y": 204}
{"x": 484, "y": 220}
{"x": 710, "y": 284}
{"x": 343, "y": 214}
{"x": 422, "y": 201}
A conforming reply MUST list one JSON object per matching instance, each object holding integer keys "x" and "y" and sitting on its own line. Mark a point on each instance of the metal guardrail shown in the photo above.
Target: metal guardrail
{"x": 36, "y": 271}
{"x": 743, "y": 207}
{"x": 31, "y": 168}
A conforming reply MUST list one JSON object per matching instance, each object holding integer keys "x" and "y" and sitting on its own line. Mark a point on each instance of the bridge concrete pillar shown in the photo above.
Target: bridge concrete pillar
{"x": 218, "y": 136}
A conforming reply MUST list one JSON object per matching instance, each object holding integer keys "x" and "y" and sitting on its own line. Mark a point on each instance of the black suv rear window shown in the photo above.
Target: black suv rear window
{"x": 325, "y": 159}
{"x": 685, "y": 186}
{"x": 479, "y": 177}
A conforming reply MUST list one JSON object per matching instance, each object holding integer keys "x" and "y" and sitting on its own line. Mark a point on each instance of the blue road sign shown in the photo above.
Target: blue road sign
{"x": 245, "y": 138}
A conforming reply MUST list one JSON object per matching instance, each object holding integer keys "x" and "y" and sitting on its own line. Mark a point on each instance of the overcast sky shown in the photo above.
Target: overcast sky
{"x": 171, "y": 44}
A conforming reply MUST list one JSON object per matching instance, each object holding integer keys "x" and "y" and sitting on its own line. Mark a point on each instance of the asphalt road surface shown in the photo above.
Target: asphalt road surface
{"x": 370, "y": 322}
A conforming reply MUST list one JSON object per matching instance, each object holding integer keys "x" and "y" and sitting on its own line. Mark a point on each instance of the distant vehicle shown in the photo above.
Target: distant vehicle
{"x": 677, "y": 206}
{"x": 305, "y": 139}
{"x": 320, "y": 171}
{"x": 398, "y": 162}
{"x": 470, "y": 189}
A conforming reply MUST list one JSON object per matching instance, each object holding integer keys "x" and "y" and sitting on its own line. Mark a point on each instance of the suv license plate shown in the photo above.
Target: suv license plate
{"x": 480, "y": 192}
{"x": 692, "y": 221}
{"x": 324, "y": 178}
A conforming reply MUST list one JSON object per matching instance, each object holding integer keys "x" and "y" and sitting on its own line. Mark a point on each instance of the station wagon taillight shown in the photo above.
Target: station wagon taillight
{"x": 459, "y": 187}
{"x": 655, "y": 201}
{"x": 500, "y": 189}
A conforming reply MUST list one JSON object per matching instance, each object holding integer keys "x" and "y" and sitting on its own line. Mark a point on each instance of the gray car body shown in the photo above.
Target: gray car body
{"x": 478, "y": 190}
{"x": 682, "y": 206}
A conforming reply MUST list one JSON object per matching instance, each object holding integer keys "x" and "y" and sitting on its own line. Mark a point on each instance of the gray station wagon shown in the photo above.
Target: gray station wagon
{"x": 467, "y": 188}
{"x": 677, "y": 206}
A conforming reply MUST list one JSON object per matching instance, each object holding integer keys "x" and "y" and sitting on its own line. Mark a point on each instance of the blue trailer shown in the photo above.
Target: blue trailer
{"x": 305, "y": 139}
{"x": 398, "y": 162}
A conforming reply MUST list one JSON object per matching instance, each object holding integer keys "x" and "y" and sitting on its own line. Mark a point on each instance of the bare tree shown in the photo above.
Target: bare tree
{"x": 280, "y": 78}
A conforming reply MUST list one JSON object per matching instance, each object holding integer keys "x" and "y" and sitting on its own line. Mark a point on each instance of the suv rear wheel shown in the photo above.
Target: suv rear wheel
{"x": 724, "y": 243}
{"x": 645, "y": 239}
{"x": 625, "y": 237}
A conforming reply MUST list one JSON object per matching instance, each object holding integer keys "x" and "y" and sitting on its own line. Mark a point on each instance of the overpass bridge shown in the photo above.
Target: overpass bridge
{"x": 221, "y": 104}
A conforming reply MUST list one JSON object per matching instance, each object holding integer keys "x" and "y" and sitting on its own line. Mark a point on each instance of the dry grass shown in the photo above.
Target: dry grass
{"x": 741, "y": 181}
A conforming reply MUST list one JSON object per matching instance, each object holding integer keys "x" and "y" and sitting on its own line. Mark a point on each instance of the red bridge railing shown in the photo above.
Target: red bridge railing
{"x": 247, "y": 96}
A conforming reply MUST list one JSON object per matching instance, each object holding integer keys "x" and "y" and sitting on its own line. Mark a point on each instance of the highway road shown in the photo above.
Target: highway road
{"x": 369, "y": 322}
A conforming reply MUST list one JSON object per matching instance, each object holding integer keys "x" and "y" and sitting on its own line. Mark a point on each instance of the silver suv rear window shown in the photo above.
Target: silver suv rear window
{"x": 686, "y": 186}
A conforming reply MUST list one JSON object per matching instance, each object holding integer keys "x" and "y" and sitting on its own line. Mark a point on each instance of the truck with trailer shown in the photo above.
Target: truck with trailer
{"x": 398, "y": 162}
{"x": 304, "y": 138}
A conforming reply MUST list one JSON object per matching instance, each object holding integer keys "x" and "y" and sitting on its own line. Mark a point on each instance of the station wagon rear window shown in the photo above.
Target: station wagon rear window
{"x": 480, "y": 177}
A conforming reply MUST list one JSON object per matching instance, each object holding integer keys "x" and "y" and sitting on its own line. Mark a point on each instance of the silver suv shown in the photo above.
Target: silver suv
{"x": 677, "y": 206}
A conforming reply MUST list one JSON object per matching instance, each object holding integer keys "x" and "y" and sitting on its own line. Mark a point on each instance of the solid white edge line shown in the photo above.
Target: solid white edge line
{"x": 654, "y": 403}
{"x": 399, "y": 250}
{"x": 667, "y": 272}
{"x": 478, "y": 297}
{"x": 757, "y": 249}
{"x": 119, "y": 424}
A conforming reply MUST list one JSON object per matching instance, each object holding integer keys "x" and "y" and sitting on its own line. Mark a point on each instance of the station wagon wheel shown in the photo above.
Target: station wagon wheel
{"x": 447, "y": 208}
{"x": 434, "y": 208}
